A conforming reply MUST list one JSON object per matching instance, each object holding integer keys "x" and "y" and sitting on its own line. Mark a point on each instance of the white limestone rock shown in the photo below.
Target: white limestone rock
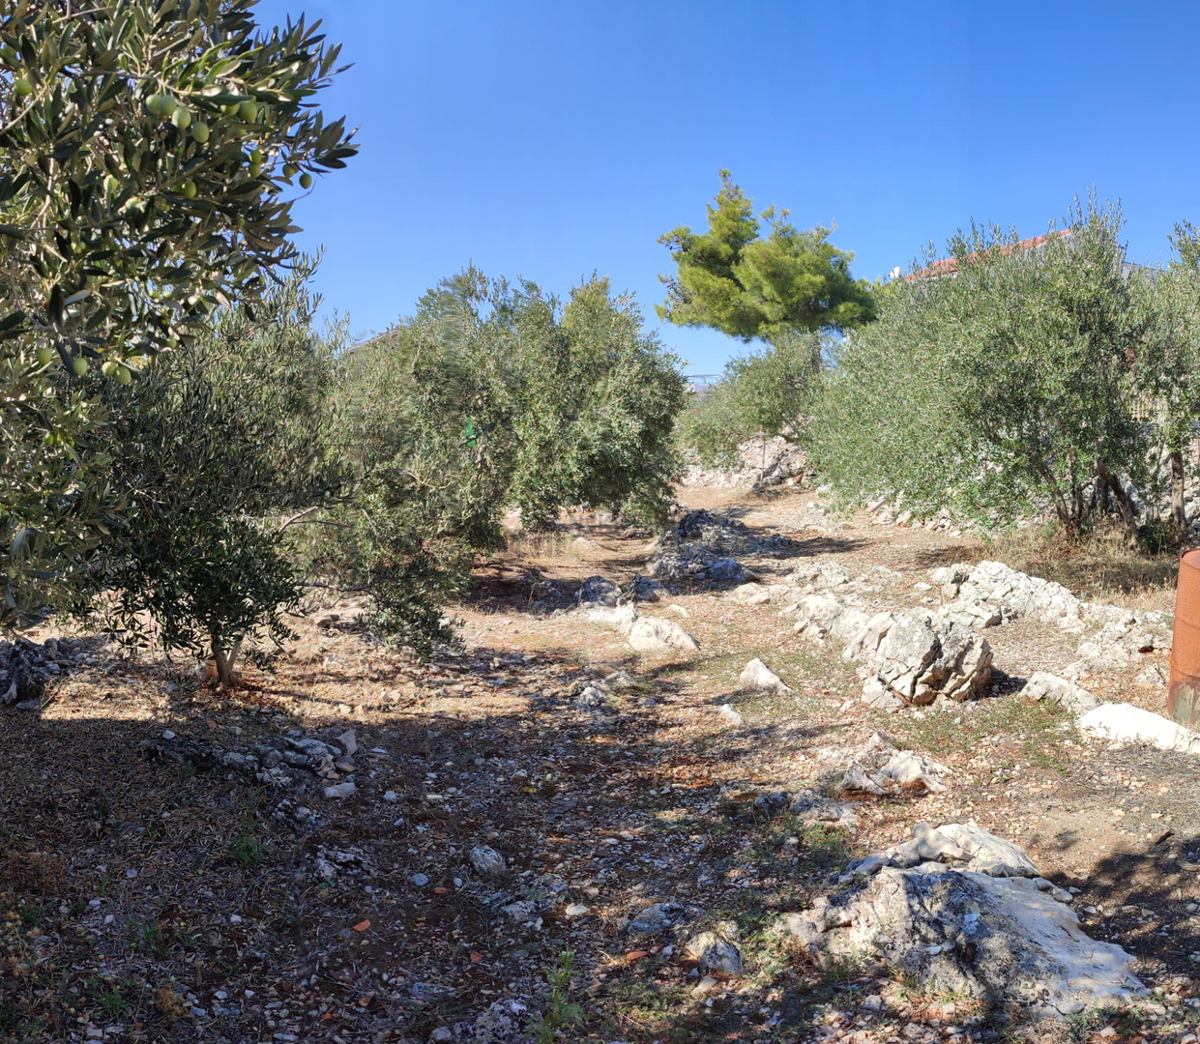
{"x": 654, "y": 634}
{"x": 1003, "y": 941}
{"x": 619, "y": 618}
{"x": 1074, "y": 698}
{"x": 758, "y": 677}
{"x": 1125, "y": 723}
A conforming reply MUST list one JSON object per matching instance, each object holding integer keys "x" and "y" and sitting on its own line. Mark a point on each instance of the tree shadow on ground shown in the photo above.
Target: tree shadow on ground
{"x": 121, "y": 872}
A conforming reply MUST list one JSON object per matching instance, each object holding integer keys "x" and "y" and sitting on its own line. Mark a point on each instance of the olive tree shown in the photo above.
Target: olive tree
{"x": 496, "y": 396}
{"x": 150, "y": 153}
{"x": 215, "y": 451}
{"x": 1014, "y": 382}
{"x": 1168, "y": 362}
{"x": 766, "y": 393}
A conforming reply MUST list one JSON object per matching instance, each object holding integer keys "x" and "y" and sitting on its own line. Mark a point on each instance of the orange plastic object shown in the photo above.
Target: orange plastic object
{"x": 1183, "y": 697}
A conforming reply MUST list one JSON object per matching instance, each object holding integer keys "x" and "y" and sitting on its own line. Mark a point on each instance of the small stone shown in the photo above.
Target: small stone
{"x": 341, "y": 790}
{"x": 653, "y": 919}
{"x": 730, "y": 715}
{"x": 715, "y": 955}
{"x": 575, "y": 910}
{"x": 420, "y": 880}
{"x": 391, "y": 795}
{"x": 168, "y": 734}
{"x": 131, "y": 874}
{"x": 235, "y": 918}
{"x": 349, "y": 742}
{"x": 487, "y": 861}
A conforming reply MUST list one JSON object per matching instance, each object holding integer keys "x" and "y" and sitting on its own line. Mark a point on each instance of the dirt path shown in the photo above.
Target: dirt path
{"x": 150, "y": 899}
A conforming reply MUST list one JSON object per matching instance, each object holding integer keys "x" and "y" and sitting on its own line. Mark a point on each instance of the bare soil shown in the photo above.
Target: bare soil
{"x": 144, "y": 900}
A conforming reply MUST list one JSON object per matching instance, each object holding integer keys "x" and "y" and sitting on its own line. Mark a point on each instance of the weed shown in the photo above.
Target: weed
{"x": 112, "y": 1001}
{"x": 843, "y": 967}
{"x": 824, "y": 848}
{"x": 247, "y": 850}
{"x": 34, "y": 916}
{"x": 560, "y": 1012}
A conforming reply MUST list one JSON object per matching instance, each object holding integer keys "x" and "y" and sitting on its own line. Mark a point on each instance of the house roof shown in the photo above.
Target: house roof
{"x": 949, "y": 265}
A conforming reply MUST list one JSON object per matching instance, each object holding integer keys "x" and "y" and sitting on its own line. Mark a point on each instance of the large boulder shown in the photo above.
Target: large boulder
{"x": 1001, "y": 934}
{"x": 921, "y": 657}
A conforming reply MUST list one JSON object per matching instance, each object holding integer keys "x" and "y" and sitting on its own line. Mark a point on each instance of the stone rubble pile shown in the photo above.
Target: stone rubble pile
{"x": 883, "y": 511}
{"x": 997, "y": 593}
{"x": 992, "y": 593}
{"x": 963, "y": 911}
{"x": 284, "y": 762}
{"x": 26, "y": 668}
{"x": 703, "y": 546}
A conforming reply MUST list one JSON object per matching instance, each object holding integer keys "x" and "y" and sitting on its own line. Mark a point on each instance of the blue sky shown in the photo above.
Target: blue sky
{"x": 553, "y": 139}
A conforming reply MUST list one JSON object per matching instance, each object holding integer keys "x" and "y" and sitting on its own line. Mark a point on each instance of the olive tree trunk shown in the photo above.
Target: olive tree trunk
{"x": 224, "y": 660}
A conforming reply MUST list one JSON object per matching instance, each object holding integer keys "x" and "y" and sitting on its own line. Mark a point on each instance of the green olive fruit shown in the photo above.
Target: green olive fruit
{"x": 124, "y": 376}
{"x": 189, "y": 189}
{"x": 50, "y": 439}
{"x": 290, "y": 170}
{"x": 306, "y": 181}
{"x": 248, "y": 111}
{"x": 231, "y": 109}
{"x": 112, "y": 184}
{"x": 23, "y": 87}
{"x": 110, "y": 367}
{"x": 255, "y": 169}
{"x": 200, "y": 132}
{"x": 44, "y": 355}
{"x": 161, "y": 104}
{"x": 256, "y": 156}
{"x": 182, "y": 118}
{"x": 79, "y": 366}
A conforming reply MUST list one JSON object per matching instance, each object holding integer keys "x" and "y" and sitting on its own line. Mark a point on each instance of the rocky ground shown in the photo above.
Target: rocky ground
{"x": 594, "y": 825}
